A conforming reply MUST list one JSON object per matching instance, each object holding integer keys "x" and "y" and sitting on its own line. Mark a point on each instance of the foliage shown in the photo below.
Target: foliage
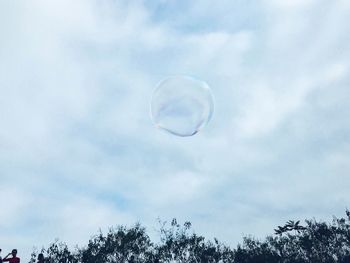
{"x": 291, "y": 243}
{"x": 316, "y": 242}
{"x": 177, "y": 245}
{"x": 119, "y": 245}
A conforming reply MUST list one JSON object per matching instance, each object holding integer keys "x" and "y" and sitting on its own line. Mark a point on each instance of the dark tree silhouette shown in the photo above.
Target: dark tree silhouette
{"x": 177, "y": 244}
{"x": 119, "y": 245}
{"x": 292, "y": 243}
{"x": 316, "y": 242}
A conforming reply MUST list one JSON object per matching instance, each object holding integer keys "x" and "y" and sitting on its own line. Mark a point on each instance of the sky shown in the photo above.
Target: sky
{"x": 79, "y": 152}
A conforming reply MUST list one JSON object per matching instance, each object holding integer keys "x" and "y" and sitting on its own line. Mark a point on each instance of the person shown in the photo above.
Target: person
{"x": 14, "y": 258}
{"x": 41, "y": 258}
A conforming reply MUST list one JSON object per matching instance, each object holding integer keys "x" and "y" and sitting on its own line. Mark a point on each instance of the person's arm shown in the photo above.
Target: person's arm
{"x": 6, "y": 258}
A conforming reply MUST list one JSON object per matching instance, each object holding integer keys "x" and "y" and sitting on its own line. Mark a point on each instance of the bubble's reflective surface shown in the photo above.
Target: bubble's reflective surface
{"x": 182, "y": 105}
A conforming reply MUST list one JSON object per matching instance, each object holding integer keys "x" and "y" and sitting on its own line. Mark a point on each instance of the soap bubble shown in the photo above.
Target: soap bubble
{"x": 182, "y": 105}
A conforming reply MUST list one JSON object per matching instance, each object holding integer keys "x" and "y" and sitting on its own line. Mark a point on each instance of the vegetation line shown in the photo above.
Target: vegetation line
{"x": 292, "y": 243}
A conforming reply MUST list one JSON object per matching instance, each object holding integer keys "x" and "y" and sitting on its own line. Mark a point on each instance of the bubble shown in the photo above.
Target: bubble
{"x": 182, "y": 105}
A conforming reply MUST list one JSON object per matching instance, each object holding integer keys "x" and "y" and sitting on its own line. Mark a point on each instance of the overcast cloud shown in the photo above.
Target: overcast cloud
{"x": 78, "y": 151}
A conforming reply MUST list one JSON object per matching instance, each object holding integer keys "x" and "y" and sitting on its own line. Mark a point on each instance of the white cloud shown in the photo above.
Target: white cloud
{"x": 75, "y": 134}
{"x": 10, "y": 215}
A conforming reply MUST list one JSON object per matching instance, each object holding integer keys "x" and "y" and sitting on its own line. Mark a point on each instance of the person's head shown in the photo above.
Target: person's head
{"x": 41, "y": 257}
{"x": 14, "y": 252}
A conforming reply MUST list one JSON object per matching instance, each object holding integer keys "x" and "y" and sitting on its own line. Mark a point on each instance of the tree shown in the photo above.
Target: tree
{"x": 57, "y": 252}
{"x": 292, "y": 243}
{"x": 316, "y": 242}
{"x": 178, "y": 245}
